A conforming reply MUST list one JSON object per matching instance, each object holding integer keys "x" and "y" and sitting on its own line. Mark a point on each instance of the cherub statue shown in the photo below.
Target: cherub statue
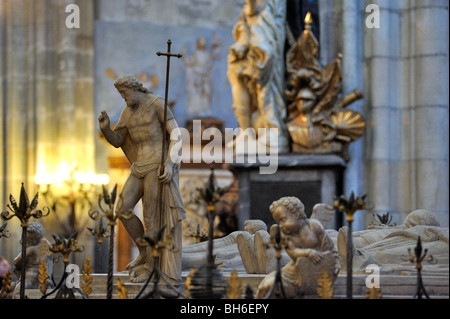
{"x": 37, "y": 250}
{"x": 249, "y": 250}
{"x": 311, "y": 249}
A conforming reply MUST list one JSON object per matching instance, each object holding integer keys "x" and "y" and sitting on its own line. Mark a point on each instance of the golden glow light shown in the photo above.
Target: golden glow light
{"x": 65, "y": 172}
{"x": 91, "y": 178}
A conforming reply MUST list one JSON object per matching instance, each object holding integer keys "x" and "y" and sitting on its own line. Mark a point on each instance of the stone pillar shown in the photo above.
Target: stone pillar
{"x": 46, "y": 99}
{"x": 330, "y": 25}
{"x": 406, "y": 80}
{"x": 402, "y": 160}
{"x": 431, "y": 96}
{"x": 380, "y": 53}
{"x": 352, "y": 78}
{"x": 18, "y": 112}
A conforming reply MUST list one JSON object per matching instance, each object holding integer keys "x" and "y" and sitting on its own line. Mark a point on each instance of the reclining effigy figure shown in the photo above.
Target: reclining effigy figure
{"x": 388, "y": 247}
{"x": 226, "y": 249}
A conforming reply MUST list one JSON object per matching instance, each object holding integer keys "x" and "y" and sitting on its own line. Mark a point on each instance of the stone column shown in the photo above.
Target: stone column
{"x": 402, "y": 160}
{"x": 380, "y": 53}
{"x": 406, "y": 80}
{"x": 330, "y": 24}
{"x": 352, "y": 78}
{"x": 431, "y": 96}
{"x": 46, "y": 100}
{"x": 17, "y": 106}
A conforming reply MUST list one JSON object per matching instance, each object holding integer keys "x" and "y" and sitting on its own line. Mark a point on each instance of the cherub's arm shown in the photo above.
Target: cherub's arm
{"x": 295, "y": 252}
{"x": 313, "y": 254}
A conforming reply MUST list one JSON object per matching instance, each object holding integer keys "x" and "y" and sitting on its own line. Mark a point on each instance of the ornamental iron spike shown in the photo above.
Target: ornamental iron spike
{"x": 114, "y": 195}
{"x": 13, "y": 202}
{"x": 4, "y": 232}
{"x": 106, "y": 196}
{"x": 417, "y": 258}
{"x": 24, "y": 203}
{"x": 249, "y": 293}
{"x": 34, "y": 202}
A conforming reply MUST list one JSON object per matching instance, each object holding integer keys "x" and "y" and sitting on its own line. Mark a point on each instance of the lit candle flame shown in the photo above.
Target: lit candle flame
{"x": 308, "y": 18}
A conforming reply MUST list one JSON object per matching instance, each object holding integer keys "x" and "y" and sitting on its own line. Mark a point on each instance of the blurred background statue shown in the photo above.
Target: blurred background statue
{"x": 256, "y": 69}
{"x": 199, "y": 84}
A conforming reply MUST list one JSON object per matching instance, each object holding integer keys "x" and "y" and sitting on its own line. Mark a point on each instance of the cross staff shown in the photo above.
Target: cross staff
{"x": 168, "y": 54}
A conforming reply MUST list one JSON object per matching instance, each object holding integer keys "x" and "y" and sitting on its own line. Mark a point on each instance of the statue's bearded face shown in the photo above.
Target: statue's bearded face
{"x": 129, "y": 95}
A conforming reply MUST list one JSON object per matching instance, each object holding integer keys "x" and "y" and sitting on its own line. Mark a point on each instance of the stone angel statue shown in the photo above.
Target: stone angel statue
{"x": 323, "y": 213}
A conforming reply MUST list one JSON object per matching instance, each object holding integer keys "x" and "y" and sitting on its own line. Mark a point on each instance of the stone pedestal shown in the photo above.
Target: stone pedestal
{"x": 312, "y": 178}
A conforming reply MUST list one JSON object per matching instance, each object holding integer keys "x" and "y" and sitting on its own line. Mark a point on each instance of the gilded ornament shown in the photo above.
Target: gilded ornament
{"x": 373, "y": 293}
{"x": 188, "y": 285}
{"x": 317, "y": 119}
{"x": 43, "y": 277}
{"x": 121, "y": 290}
{"x": 6, "y": 285}
{"x": 325, "y": 289}
{"x": 234, "y": 286}
{"x": 87, "y": 278}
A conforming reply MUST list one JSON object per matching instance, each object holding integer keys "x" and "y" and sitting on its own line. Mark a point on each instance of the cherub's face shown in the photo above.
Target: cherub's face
{"x": 288, "y": 222}
{"x": 33, "y": 239}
